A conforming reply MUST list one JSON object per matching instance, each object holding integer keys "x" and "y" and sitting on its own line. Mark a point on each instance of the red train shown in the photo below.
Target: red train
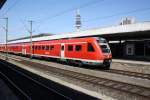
{"x": 88, "y": 50}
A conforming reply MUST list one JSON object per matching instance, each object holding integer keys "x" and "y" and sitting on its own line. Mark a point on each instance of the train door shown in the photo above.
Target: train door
{"x": 62, "y": 53}
{"x": 23, "y": 50}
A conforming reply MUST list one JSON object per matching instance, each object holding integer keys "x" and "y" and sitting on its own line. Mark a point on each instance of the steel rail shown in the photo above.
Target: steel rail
{"x": 122, "y": 72}
{"x": 6, "y": 79}
{"x": 35, "y": 81}
{"x": 133, "y": 89}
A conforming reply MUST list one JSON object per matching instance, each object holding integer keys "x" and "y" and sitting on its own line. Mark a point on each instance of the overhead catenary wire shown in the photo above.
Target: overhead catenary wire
{"x": 53, "y": 16}
{"x": 117, "y": 14}
{"x": 24, "y": 25}
{"x": 100, "y": 17}
{"x": 10, "y": 8}
{"x": 80, "y": 7}
{"x": 68, "y": 10}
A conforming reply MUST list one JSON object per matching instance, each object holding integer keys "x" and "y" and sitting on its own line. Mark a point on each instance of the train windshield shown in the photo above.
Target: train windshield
{"x": 105, "y": 48}
{"x": 101, "y": 40}
{"x": 103, "y": 45}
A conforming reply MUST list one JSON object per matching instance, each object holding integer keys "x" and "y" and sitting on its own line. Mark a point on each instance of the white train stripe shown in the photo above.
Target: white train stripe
{"x": 86, "y": 60}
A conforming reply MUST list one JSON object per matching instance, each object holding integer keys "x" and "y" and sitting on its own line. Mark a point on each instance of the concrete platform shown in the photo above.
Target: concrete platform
{"x": 145, "y": 63}
{"x": 131, "y": 65}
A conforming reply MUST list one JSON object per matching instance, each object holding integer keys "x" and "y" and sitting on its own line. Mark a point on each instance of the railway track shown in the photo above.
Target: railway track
{"x": 122, "y": 72}
{"x": 128, "y": 88}
{"x": 27, "y": 87}
{"x": 20, "y": 93}
{"x": 35, "y": 87}
{"x": 135, "y": 90}
{"x": 129, "y": 73}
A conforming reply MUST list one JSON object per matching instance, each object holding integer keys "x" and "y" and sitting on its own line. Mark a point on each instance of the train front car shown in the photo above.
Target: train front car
{"x": 98, "y": 52}
{"x": 105, "y": 52}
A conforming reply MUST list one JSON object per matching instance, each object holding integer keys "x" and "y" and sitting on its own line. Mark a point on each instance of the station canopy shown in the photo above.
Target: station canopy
{"x": 118, "y": 32}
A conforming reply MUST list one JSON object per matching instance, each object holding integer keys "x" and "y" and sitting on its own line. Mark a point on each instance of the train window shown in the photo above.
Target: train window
{"x": 90, "y": 47}
{"x": 39, "y": 47}
{"x": 70, "y": 48}
{"x": 33, "y": 47}
{"x": 78, "y": 47}
{"x": 36, "y": 47}
{"x": 47, "y": 47}
{"x": 51, "y": 47}
{"x": 43, "y": 47}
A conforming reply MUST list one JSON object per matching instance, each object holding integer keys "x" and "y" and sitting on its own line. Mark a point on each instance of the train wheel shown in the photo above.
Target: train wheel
{"x": 106, "y": 65}
{"x": 68, "y": 62}
{"x": 80, "y": 64}
{"x": 58, "y": 60}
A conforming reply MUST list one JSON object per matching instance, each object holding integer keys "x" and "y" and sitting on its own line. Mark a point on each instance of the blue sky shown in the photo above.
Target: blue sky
{"x": 58, "y": 16}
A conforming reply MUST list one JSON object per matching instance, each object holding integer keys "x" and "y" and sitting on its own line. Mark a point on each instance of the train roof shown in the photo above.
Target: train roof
{"x": 34, "y": 36}
{"x": 55, "y": 37}
{"x": 44, "y": 38}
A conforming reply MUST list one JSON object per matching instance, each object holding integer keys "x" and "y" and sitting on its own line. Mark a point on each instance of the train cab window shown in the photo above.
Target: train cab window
{"x": 70, "y": 48}
{"x": 78, "y": 48}
{"x": 90, "y": 47}
{"x": 47, "y": 47}
{"x": 51, "y": 47}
